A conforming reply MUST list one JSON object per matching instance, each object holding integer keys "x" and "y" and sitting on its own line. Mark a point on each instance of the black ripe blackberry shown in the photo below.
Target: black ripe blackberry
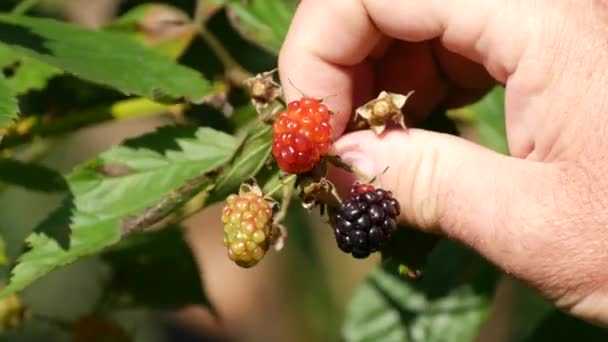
{"x": 365, "y": 221}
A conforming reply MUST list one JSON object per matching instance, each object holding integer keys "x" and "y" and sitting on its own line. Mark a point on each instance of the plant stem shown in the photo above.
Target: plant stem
{"x": 281, "y": 185}
{"x": 24, "y": 6}
{"x": 234, "y": 71}
{"x": 288, "y": 190}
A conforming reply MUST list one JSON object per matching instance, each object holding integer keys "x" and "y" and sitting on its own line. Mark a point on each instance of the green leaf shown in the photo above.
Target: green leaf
{"x": 108, "y": 58}
{"x": 31, "y": 176}
{"x": 24, "y": 73}
{"x": 247, "y": 163}
{"x": 155, "y": 270}
{"x": 3, "y": 257}
{"x": 450, "y": 303}
{"x": 165, "y": 29}
{"x": 490, "y": 119}
{"x": 123, "y": 190}
{"x": 264, "y": 22}
{"x": 488, "y": 116}
{"x": 8, "y": 104}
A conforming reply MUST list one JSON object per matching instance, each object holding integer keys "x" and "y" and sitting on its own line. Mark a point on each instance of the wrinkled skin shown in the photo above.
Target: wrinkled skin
{"x": 541, "y": 213}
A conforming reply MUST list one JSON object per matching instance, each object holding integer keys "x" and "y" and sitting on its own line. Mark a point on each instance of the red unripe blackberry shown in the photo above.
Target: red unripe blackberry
{"x": 364, "y": 222}
{"x": 247, "y": 219}
{"x": 302, "y": 135}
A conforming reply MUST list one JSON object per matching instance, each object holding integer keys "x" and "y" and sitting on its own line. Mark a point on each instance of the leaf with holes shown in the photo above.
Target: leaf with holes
{"x": 123, "y": 190}
{"x": 108, "y": 58}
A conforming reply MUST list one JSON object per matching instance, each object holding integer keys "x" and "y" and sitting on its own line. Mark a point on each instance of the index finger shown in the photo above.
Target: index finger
{"x": 329, "y": 38}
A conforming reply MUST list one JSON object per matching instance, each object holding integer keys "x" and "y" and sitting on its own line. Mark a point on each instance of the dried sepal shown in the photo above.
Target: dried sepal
{"x": 12, "y": 312}
{"x": 265, "y": 94}
{"x": 379, "y": 112}
{"x": 318, "y": 192}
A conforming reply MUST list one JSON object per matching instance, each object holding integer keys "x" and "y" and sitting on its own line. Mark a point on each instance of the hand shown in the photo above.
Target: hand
{"x": 541, "y": 214}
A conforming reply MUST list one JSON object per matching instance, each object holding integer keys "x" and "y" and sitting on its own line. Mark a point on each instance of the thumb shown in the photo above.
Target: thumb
{"x": 447, "y": 184}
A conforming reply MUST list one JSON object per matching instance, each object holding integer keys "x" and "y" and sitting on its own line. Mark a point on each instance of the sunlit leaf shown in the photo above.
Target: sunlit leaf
{"x": 123, "y": 190}
{"x": 249, "y": 160}
{"x": 8, "y": 105}
{"x": 24, "y": 73}
{"x": 264, "y": 22}
{"x": 109, "y": 58}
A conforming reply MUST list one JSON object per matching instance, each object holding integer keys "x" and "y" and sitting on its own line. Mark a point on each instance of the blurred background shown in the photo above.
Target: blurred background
{"x": 299, "y": 294}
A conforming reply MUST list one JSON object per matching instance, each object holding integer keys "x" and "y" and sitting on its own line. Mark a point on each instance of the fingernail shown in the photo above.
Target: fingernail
{"x": 362, "y": 162}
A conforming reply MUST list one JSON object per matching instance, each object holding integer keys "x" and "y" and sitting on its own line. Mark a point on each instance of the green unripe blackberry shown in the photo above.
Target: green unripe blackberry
{"x": 247, "y": 219}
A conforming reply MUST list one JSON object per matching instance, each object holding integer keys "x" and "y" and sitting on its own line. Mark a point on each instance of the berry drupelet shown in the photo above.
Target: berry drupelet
{"x": 364, "y": 222}
{"x": 302, "y": 135}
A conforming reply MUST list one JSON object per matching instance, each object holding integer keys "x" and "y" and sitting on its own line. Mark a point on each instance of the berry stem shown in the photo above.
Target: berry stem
{"x": 281, "y": 185}
{"x": 24, "y": 6}
{"x": 288, "y": 190}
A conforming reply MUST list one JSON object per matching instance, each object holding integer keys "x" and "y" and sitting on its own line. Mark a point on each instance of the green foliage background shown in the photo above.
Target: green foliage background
{"x": 59, "y": 79}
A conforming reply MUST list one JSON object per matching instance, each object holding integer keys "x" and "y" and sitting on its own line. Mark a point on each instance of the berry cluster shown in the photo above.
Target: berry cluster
{"x": 247, "y": 220}
{"x": 364, "y": 222}
{"x": 301, "y": 139}
{"x": 302, "y": 135}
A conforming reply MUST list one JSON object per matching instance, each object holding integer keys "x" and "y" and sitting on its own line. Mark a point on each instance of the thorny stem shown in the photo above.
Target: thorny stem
{"x": 24, "y": 6}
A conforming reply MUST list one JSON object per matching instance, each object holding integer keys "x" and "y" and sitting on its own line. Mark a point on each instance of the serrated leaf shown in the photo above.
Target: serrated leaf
{"x": 118, "y": 192}
{"x": 8, "y": 105}
{"x": 155, "y": 270}
{"x": 264, "y": 22}
{"x": 24, "y": 73}
{"x": 108, "y": 58}
{"x": 31, "y": 176}
{"x": 249, "y": 160}
{"x": 450, "y": 303}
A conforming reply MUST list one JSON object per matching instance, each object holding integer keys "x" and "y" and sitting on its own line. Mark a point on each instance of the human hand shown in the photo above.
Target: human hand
{"x": 541, "y": 214}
